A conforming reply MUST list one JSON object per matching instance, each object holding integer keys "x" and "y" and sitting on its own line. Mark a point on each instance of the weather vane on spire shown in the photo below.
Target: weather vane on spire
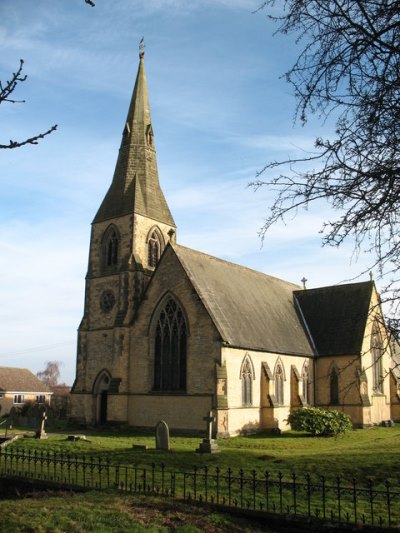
{"x": 141, "y": 47}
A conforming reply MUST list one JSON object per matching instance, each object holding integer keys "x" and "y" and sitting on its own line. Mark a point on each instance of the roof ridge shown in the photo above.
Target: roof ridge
{"x": 236, "y": 265}
{"x": 335, "y": 286}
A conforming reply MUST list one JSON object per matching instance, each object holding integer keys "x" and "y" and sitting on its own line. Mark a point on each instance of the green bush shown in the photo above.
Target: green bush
{"x": 319, "y": 422}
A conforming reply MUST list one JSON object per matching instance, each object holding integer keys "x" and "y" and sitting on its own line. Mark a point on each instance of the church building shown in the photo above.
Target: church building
{"x": 170, "y": 333}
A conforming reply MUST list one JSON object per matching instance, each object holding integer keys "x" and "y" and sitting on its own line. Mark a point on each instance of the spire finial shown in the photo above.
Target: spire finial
{"x": 304, "y": 280}
{"x": 141, "y": 48}
{"x": 371, "y": 276}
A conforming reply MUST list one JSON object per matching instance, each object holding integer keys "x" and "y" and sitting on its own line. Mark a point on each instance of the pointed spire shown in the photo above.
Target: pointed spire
{"x": 135, "y": 187}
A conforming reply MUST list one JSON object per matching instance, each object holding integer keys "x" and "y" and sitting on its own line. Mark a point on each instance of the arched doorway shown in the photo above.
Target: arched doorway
{"x": 100, "y": 397}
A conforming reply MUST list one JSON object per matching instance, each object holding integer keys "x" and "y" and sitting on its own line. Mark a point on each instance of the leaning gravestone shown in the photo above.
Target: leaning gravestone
{"x": 162, "y": 436}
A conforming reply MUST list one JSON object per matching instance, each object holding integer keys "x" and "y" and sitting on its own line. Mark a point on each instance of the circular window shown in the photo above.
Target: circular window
{"x": 107, "y": 301}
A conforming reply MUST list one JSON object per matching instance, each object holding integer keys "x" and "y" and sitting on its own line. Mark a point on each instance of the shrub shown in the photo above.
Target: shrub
{"x": 319, "y": 422}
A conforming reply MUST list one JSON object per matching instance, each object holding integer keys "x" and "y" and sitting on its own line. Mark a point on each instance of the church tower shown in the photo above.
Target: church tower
{"x": 129, "y": 232}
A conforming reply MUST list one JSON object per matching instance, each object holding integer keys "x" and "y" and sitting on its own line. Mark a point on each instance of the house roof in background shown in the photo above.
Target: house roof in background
{"x": 20, "y": 380}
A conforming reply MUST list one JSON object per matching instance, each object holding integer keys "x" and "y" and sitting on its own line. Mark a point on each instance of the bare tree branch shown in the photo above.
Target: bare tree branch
{"x": 31, "y": 140}
{"x": 6, "y": 90}
{"x": 348, "y": 67}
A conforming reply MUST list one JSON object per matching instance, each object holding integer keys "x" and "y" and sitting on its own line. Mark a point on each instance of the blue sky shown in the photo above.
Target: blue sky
{"x": 220, "y": 112}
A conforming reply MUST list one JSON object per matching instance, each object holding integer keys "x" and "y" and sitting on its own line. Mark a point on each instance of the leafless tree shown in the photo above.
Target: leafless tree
{"x": 349, "y": 69}
{"x": 51, "y": 374}
{"x": 6, "y": 95}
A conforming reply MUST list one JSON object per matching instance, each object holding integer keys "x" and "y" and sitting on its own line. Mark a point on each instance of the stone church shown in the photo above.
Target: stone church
{"x": 171, "y": 333}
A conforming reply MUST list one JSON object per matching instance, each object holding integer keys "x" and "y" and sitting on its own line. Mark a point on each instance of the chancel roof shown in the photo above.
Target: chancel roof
{"x": 336, "y": 316}
{"x": 20, "y": 380}
{"x": 250, "y": 309}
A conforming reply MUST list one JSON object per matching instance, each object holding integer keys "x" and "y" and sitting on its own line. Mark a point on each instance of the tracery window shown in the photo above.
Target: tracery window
{"x": 110, "y": 247}
{"x": 279, "y": 384}
{"x": 377, "y": 353}
{"x": 247, "y": 376}
{"x": 334, "y": 386}
{"x": 170, "y": 345}
{"x": 154, "y": 247}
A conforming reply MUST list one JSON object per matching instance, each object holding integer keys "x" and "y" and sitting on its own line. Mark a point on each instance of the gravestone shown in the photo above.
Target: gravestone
{"x": 40, "y": 433}
{"x": 208, "y": 445}
{"x": 162, "y": 436}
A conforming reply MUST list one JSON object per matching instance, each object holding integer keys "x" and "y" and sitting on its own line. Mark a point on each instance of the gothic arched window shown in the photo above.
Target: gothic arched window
{"x": 279, "y": 383}
{"x": 170, "y": 349}
{"x": 334, "y": 386}
{"x": 154, "y": 248}
{"x": 377, "y": 353}
{"x": 306, "y": 384}
{"x": 247, "y": 376}
{"x": 110, "y": 247}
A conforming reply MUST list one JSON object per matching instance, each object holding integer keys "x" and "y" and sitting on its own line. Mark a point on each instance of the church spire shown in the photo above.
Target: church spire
{"x": 135, "y": 187}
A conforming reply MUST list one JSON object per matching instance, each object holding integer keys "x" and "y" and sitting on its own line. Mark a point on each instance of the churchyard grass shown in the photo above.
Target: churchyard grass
{"x": 368, "y": 453}
{"x": 108, "y": 513}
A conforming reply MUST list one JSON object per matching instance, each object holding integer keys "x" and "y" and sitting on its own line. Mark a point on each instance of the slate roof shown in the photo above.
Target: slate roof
{"x": 336, "y": 316}
{"x": 250, "y": 309}
{"x": 135, "y": 187}
{"x": 20, "y": 380}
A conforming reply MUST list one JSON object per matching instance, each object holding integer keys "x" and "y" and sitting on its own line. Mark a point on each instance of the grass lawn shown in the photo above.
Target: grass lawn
{"x": 363, "y": 454}
{"x": 366, "y": 453}
{"x": 105, "y": 513}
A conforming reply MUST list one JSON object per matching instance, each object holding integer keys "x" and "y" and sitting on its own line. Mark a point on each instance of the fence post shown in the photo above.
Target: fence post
{"x": 339, "y": 496}
{"x": 323, "y": 497}
{"x": 162, "y": 478}
{"x": 280, "y": 476}
{"x": 206, "y": 483}
{"x": 217, "y": 471}
{"x": 355, "y": 500}
{"x": 229, "y": 486}
{"x": 308, "y": 479}
{"x": 266, "y": 475}
{"x": 254, "y": 481}
{"x": 241, "y": 483}
{"x": 371, "y": 500}
{"x": 388, "y": 502}
{"x": 294, "y": 493}
{"x": 195, "y": 482}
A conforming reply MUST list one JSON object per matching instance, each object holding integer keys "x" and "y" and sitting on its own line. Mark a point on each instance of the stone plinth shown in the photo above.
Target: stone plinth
{"x": 208, "y": 446}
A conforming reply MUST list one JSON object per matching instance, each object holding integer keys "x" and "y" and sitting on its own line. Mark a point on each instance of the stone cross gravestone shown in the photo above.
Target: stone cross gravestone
{"x": 162, "y": 435}
{"x": 208, "y": 445}
{"x": 40, "y": 433}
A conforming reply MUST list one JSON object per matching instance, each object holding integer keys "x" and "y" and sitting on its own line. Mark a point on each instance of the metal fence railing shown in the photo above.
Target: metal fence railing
{"x": 375, "y": 503}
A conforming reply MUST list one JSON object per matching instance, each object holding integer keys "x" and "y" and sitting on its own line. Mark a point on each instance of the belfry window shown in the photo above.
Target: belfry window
{"x": 334, "y": 386}
{"x": 377, "y": 354}
{"x": 170, "y": 346}
{"x": 110, "y": 248}
{"x": 279, "y": 384}
{"x": 247, "y": 376}
{"x": 154, "y": 247}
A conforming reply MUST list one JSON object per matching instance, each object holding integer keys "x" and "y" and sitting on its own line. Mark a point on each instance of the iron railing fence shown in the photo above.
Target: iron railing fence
{"x": 375, "y": 503}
